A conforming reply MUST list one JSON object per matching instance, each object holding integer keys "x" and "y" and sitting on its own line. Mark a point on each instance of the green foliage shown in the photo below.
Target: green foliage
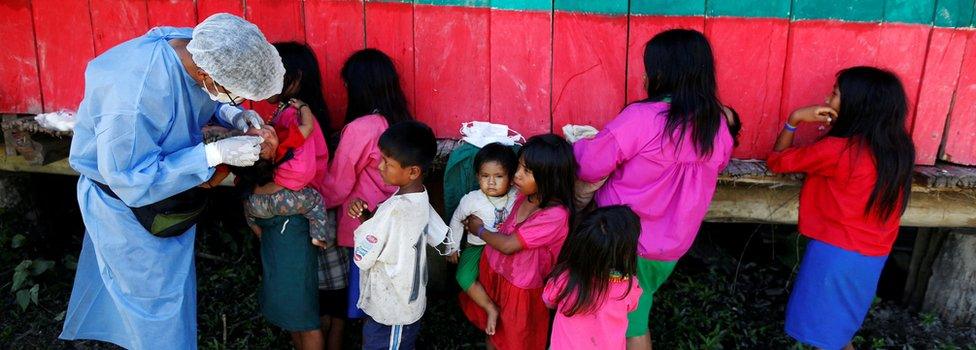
{"x": 24, "y": 286}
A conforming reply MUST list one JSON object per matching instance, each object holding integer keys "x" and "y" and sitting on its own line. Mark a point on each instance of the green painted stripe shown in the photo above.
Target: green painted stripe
{"x": 605, "y": 7}
{"x": 942, "y": 13}
{"x": 750, "y": 8}
{"x": 909, "y": 11}
{"x": 954, "y": 13}
{"x": 466, "y": 3}
{"x": 849, "y": 10}
{"x": 527, "y": 5}
{"x": 668, "y": 7}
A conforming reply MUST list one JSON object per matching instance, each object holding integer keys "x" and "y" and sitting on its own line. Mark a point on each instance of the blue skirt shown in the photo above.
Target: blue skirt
{"x": 831, "y": 295}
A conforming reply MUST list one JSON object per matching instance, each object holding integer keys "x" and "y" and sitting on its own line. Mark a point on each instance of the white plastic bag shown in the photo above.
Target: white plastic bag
{"x": 480, "y": 134}
{"x": 575, "y": 133}
{"x": 61, "y": 120}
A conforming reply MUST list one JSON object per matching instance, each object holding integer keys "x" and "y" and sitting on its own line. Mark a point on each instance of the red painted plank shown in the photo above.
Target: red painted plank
{"x": 173, "y": 13}
{"x": 521, "y": 61}
{"x": 20, "y": 91}
{"x": 206, "y": 8}
{"x": 960, "y": 137}
{"x": 334, "y": 30}
{"x": 389, "y": 28}
{"x": 117, "y": 21}
{"x": 278, "y": 20}
{"x": 819, "y": 49}
{"x": 750, "y": 54}
{"x": 946, "y": 49}
{"x": 903, "y": 50}
{"x": 642, "y": 29}
{"x": 62, "y": 54}
{"x": 589, "y": 68}
{"x": 452, "y": 78}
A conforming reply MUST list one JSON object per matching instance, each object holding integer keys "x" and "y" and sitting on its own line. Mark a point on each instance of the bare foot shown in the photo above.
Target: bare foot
{"x": 492, "y": 312}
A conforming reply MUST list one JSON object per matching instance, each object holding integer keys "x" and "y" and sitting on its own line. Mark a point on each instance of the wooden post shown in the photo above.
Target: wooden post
{"x": 8, "y": 135}
{"x": 952, "y": 289}
{"x": 928, "y": 242}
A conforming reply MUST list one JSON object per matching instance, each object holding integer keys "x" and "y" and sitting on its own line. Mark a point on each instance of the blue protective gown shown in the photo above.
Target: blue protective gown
{"x": 139, "y": 132}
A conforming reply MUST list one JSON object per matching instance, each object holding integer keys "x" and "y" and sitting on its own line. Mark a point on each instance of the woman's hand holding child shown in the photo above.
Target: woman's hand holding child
{"x": 473, "y": 224}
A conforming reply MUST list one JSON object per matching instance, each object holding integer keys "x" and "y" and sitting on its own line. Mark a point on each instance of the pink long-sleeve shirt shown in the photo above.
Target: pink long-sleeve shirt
{"x": 355, "y": 173}
{"x": 663, "y": 180}
{"x": 309, "y": 162}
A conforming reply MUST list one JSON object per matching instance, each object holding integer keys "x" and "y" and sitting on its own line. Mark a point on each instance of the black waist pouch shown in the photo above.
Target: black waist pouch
{"x": 169, "y": 217}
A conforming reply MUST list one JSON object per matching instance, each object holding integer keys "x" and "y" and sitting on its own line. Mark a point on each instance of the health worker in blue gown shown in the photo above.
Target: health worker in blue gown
{"x": 138, "y": 143}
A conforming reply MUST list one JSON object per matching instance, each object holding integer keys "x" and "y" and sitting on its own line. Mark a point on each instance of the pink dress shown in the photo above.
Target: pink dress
{"x": 542, "y": 235}
{"x": 514, "y": 282}
{"x": 665, "y": 182}
{"x": 309, "y": 162}
{"x": 355, "y": 173}
{"x": 602, "y": 329}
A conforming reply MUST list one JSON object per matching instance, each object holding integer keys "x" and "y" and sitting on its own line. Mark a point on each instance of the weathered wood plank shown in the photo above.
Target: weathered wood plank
{"x": 20, "y": 91}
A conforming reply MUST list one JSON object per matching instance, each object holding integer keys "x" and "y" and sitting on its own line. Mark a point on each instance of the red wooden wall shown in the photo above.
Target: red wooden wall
{"x": 539, "y": 64}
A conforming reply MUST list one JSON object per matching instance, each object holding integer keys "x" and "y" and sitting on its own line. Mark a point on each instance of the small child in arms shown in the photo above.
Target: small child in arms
{"x": 269, "y": 199}
{"x": 495, "y": 166}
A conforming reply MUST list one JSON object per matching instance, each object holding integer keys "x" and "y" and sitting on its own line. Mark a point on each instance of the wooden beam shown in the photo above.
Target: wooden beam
{"x": 744, "y": 202}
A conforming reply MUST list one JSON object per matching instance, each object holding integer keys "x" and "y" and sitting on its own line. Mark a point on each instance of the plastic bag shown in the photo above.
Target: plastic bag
{"x": 61, "y": 120}
{"x": 480, "y": 134}
{"x": 575, "y": 133}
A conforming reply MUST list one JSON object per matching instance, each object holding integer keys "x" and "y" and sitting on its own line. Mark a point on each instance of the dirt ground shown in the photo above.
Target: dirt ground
{"x": 729, "y": 292}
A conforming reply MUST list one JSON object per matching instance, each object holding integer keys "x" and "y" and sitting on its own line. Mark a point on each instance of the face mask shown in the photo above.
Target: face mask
{"x": 221, "y": 97}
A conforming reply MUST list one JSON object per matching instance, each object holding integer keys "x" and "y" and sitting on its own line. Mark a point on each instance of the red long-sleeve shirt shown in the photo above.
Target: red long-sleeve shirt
{"x": 839, "y": 179}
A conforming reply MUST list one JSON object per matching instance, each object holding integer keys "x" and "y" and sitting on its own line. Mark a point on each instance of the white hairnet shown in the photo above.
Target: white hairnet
{"x": 237, "y": 56}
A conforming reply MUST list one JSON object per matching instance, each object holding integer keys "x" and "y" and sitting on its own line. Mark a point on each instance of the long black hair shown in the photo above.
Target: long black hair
{"x": 873, "y": 108}
{"x": 301, "y": 66}
{"x": 552, "y": 163}
{"x": 373, "y": 86}
{"x": 604, "y": 244}
{"x": 680, "y": 67}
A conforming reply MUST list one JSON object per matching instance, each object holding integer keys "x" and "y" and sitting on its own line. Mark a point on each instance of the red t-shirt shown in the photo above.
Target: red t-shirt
{"x": 839, "y": 179}
{"x": 289, "y": 138}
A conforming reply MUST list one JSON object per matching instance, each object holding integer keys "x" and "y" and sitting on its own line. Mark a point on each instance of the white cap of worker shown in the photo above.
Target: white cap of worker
{"x": 237, "y": 56}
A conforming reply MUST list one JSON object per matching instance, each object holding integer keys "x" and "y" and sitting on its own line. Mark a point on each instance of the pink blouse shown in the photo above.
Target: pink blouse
{"x": 542, "y": 235}
{"x": 355, "y": 173}
{"x": 604, "y": 329}
{"x": 661, "y": 178}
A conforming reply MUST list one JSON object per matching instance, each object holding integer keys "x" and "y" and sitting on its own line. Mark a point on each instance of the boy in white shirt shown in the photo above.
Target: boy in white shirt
{"x": 389, "y": 245}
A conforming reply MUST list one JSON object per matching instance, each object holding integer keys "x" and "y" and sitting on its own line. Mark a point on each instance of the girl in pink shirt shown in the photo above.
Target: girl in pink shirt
{"x": 662, "y": 157}
{"x": 593, "y": 286}
{"x": 519, "y": 256}
{"x": 375, "y": 102}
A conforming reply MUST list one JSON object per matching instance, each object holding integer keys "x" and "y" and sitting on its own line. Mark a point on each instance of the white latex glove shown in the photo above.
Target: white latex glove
{"x": 575, "y": 133}
{"x": 234, "y": 151}
{"x": 241, "y": 119}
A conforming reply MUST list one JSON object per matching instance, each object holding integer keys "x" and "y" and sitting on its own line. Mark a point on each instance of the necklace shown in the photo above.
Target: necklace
{"x": 500, "y": 212}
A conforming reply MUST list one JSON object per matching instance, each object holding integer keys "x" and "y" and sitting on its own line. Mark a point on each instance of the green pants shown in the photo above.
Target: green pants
{"x": 651, "y": 274}
{"x": 467, "y": 271}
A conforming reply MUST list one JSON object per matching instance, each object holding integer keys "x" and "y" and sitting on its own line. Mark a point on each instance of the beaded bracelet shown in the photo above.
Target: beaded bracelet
{"x": 789, "y": 127}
